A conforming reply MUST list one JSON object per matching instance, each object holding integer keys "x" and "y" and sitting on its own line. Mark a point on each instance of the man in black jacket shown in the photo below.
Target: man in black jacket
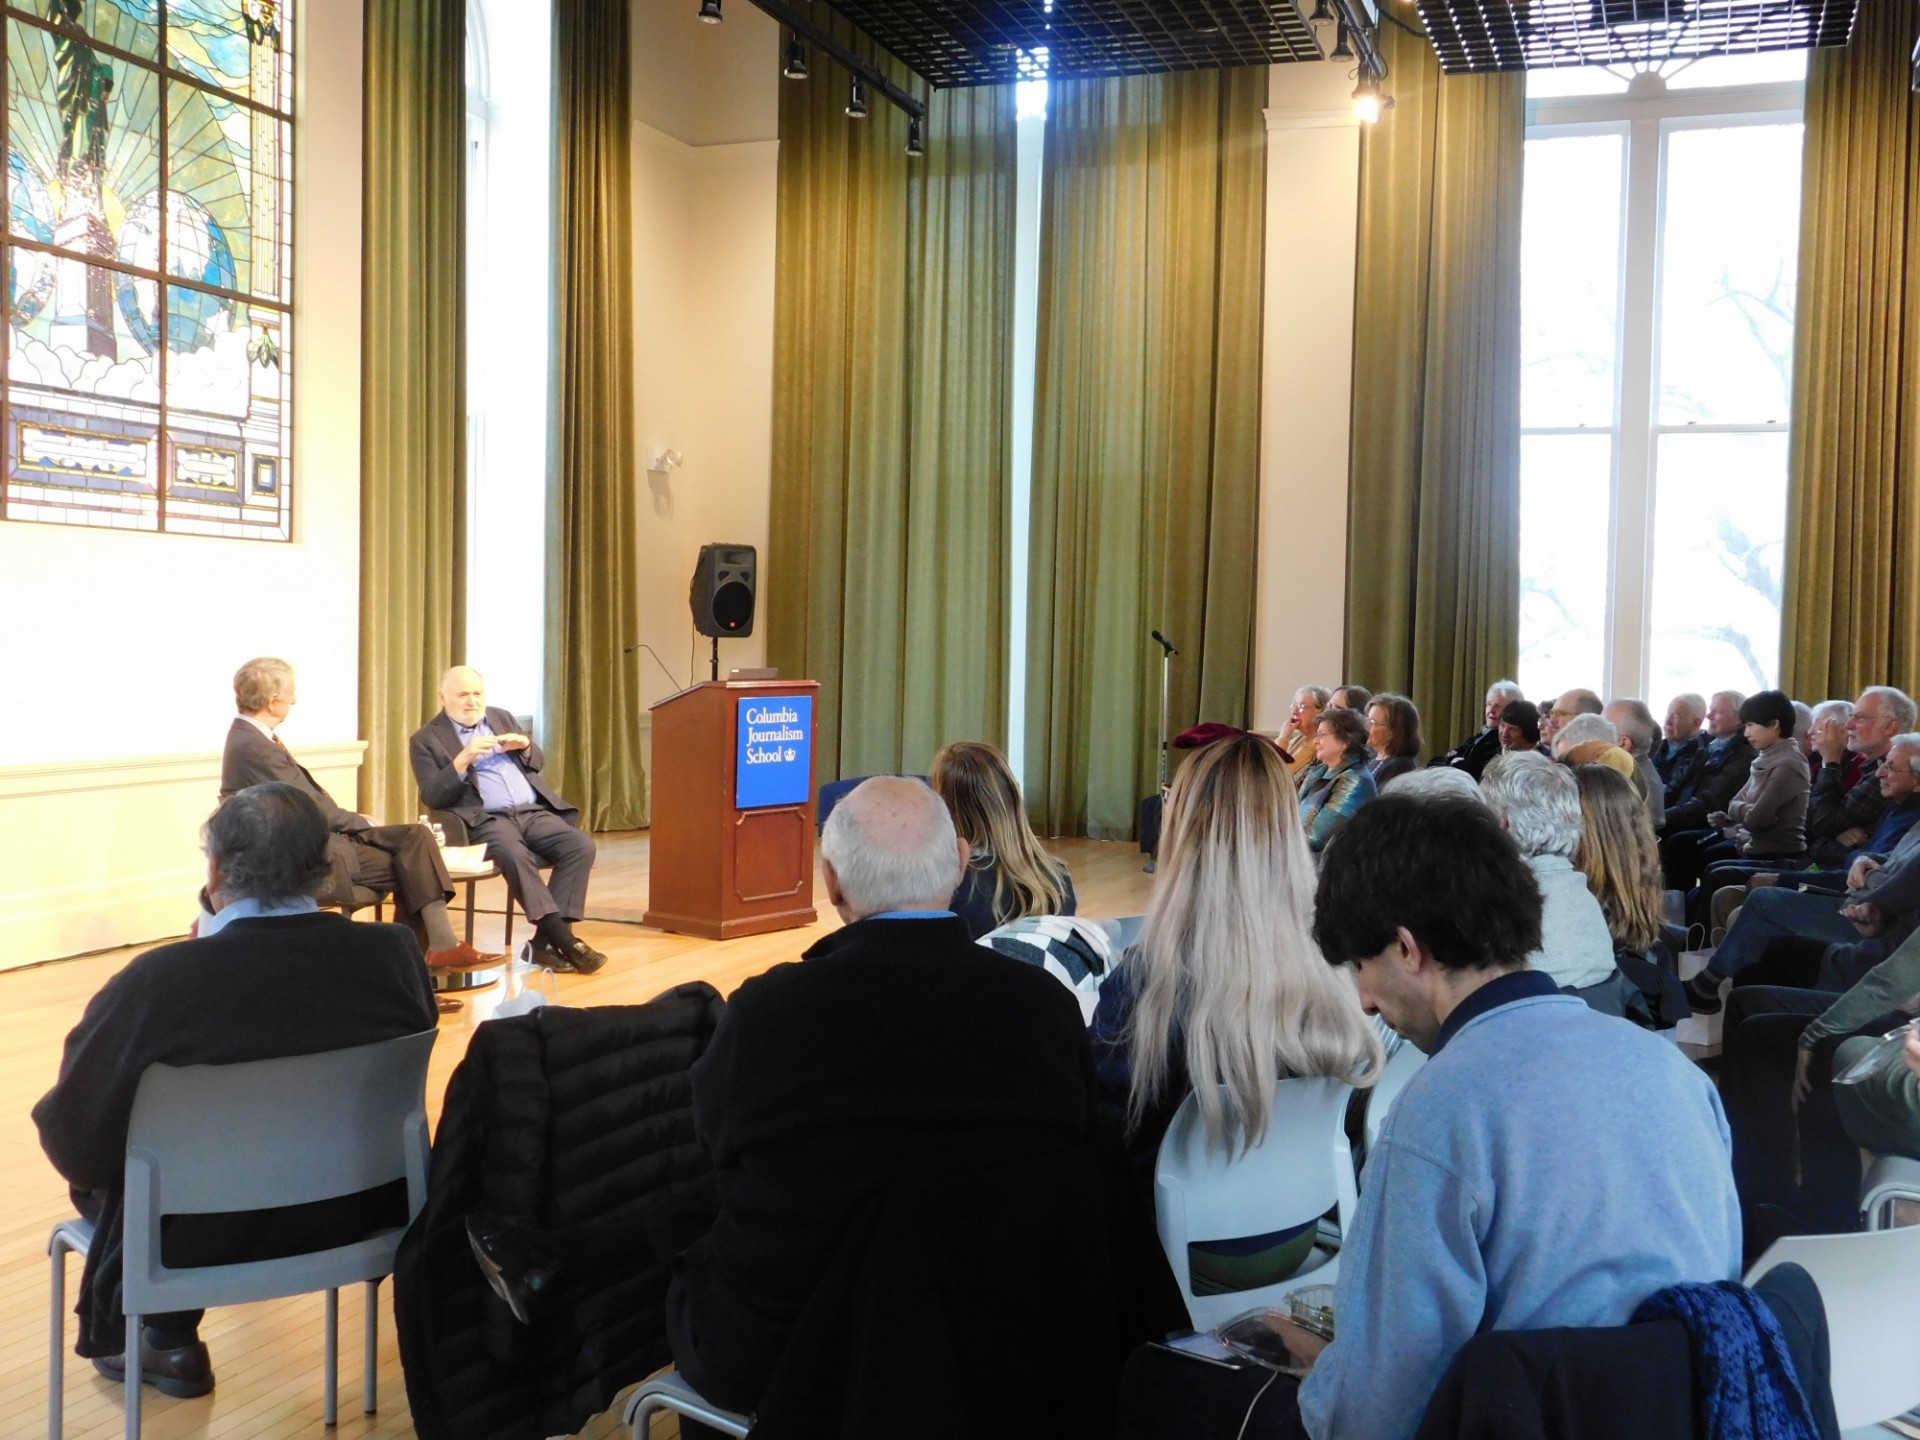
{"x": 268, "y": 975}
{"x": 1476, "y": 752}
{"x": 1721, "y": 773}
{"x": 400, "y": 860}
{"x": 473, "y": 760}
{"x": 894, "y": 1050}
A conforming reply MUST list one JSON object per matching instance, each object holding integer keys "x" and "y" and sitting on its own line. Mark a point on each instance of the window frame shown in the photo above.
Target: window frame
{"x": 1647, "y": 116}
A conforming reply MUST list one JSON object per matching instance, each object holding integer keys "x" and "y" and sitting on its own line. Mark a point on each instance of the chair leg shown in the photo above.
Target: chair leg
{"x": 470, "y": 888}
{"x": 371, "y": 1400}
{"x": 330, "y": 1409}
{"x": 508, "y": 946}
{"x": 57, "y": 1355}
{"x": 132, "y": 1359}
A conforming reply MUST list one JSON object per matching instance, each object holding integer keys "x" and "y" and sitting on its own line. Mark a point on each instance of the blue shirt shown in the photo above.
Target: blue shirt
{"x": 255, "y": 910}
{"x": 499, "y": 778}
{"x": 1548, "y": 1166}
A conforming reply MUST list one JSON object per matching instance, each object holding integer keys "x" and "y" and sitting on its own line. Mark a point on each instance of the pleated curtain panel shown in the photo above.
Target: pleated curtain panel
{"x": 1433, "y": 530}
{"x": 886, "y": 576}
{"x": 413, "y": 393}
{"x": 1852, "y": 614}
{"x": 1147, "y": 431}
{"x": 593, "y": 599}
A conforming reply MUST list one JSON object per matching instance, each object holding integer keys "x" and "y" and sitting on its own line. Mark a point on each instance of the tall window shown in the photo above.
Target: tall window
{"x": 1658, "y": 260}
{"x": 148, "y": 254}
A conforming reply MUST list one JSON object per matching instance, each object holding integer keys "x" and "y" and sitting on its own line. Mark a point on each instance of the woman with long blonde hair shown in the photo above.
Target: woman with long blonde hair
{"x": 1225, "y": 994}
{"x": 1620, "y": 857}
{"x": 1009, "y": 874}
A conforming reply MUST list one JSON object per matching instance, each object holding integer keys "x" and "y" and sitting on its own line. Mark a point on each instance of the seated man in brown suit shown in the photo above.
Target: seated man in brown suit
{"x": 400, "y": 860}
{"x": 267, "y": 975}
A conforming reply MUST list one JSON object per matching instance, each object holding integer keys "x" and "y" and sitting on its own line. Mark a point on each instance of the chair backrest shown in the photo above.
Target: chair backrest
{"x": 1402, "y": 1065}
{"x": 259, "y": 1135}
{"x": 1870, "y": 1285}
{"x": 1301, "y": 1169}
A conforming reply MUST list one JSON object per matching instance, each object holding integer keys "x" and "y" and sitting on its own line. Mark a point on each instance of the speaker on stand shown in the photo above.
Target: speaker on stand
{"x": 722, "y": 594}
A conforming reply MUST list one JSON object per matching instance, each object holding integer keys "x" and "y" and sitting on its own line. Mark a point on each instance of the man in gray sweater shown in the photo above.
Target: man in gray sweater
{"x": 1491, "y": 1205}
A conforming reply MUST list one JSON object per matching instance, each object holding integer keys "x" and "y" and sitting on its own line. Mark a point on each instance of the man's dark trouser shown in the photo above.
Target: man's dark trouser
{"x": 404, "y": 861}
{"x": 1761, "y": 1051}
{"x": 523, "y": 839}
{"x": 175, "y": 1329}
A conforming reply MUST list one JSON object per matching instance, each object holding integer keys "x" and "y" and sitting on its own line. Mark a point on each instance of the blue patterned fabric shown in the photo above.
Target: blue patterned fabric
{"x": 1744, "y": 1383}
{"x": 1330, "y": 798}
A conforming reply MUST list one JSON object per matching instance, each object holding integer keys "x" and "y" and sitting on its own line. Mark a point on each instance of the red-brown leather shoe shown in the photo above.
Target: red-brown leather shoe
{"x": 462, "y": 957}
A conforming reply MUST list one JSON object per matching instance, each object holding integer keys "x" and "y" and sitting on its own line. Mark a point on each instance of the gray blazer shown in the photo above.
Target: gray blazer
{"x": 1770, "y": 813}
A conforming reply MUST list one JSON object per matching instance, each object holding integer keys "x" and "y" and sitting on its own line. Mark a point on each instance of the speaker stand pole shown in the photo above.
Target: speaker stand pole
{"x": 716, "y": 663}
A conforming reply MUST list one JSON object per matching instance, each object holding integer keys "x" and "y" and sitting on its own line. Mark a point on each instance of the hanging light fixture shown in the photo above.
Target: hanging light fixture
{"x": 857, "y": 100}
{"x": 1368, "y": 102}
{"x": 1322, "y": 14}
{"x": 1342, "y": 50}
{"x": 916, "y": 135}
{"x": 796, "y": 66}
{"x": 710, "y": 12}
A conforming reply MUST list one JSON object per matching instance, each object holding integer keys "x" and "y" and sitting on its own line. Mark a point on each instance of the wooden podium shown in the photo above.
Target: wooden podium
{"x": 731, "y": 851}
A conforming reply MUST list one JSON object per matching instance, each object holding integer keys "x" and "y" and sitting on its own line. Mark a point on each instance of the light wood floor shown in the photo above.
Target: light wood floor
{"x": 267, "y": 1357}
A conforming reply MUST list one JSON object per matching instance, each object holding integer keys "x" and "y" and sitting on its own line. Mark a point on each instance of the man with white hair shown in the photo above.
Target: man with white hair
{"x": 1475, "y": 752}
{"x": 1682, "y": 739}
{"x": 895, "y": 1048}
{"x": 1538, "y": 802}
{"x": 472, "y": 759}
{"x": 1639, "y": 735}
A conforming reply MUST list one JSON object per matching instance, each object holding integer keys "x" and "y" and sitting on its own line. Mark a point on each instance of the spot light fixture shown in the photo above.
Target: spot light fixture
{"x": 1368, "y": 102}
{"x": 710, "y": 12}
{"x": 857, "y": 100}
{"x": 1343, "y": 49}
{"x": 796, "y": 66}
{"x": 1322, "y": 14}
{"x": 916, "y": 135}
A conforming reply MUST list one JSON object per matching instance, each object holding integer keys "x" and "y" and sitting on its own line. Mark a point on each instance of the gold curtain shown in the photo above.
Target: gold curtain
{"x": 1147, "y": 430}
{"x": 886, "y": 572}
{"x": 1852, "y": 615}
{"x": 1433, "y": 514}
{"x": 412, "y": 386}
{"x": 593, "y": 599}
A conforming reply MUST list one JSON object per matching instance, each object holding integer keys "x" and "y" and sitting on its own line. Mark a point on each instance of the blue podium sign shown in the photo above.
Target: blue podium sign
{"x": 773, "y": 755}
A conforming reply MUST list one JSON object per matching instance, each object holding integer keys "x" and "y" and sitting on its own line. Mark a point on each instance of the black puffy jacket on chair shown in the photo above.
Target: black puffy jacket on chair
{"x": 578, "y": 1125}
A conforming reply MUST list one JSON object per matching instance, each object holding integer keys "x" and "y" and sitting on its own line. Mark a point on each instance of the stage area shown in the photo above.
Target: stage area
{"x": 267, "y": 1357}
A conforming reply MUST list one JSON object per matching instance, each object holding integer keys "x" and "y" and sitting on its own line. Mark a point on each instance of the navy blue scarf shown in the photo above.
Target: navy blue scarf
{"x": 1744, "y": 1384}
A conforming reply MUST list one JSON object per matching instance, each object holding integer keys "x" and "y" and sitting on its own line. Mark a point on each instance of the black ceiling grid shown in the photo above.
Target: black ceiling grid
{"x": 990, "y": 42}
{"x": 1484, "y": 35}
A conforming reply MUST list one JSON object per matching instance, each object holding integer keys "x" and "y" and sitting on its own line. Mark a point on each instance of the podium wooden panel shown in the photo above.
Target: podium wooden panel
{"x": 715, "y": 870}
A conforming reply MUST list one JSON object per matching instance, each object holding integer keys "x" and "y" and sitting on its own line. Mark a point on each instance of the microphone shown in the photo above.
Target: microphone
{"x": 1165, "y": 644}
{"x": 633, "y": 647}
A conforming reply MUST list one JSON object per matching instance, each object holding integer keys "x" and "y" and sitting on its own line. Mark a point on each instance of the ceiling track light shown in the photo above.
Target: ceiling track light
{"x": 710, "y": 12}
{"x": 916, "y": 136}
{"x": 1368, "y": 102}
{"x": 857, "y": 100}
{"x": 1322, "y": 13}
{"x": 796, "y": 66}
{"x": 1343, "y": 48}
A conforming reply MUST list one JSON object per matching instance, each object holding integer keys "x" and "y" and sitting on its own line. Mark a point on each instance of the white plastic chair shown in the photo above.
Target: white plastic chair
{"x": 213, "y": 1139}
{"x": 1402, "y": 1065}
{"x": 668, "y": 1392}
{"x": 1890, "y": 1178}
{"x": 1867, "y": 1284}
{"x": 1301, "y": 1169}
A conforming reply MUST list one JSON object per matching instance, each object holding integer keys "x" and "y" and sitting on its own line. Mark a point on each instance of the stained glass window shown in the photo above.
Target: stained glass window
{"x": 148, "y": 252}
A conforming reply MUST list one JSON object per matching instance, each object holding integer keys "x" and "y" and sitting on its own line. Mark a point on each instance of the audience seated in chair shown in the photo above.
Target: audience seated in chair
{"x": 894, "y": 1052}
{"x": 1715, "y": 779}
{"x": 1436, "y": 910}
{"x": 1519, "y": 730}
{"x": 399, "y": 859}
{"x": 473, "y": 760}
{"x": 1296, "y": 741}
{"x": 1621, "y": 859}
{"x": 1225, "y": 995}
{"x": 1393, "y": 735}
{"x": 1765, "y": 824}
{"x": 1880, "y": 1112}
{"x": 1538, "y": 803}
{"x": 1682, "y": 742}
{"x": 267, "y": 975}
{"x": 1638, "y": 734}
{"x": 1797, "y": 1168}
{"x": 1009, "y": 873}
{"x": 1473, "y": 753}
{"x": 1569, "y": 705}
{"x": 1337, "y": 783}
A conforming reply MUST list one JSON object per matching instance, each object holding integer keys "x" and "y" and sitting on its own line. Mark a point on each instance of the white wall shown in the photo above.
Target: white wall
{"x": 1313, "y": 196}
{"x": 120, "y": 647}
{"x": 703, "y": 226}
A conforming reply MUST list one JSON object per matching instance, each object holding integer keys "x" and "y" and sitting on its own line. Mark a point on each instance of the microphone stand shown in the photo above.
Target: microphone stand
{"x": 1167, "y": 652}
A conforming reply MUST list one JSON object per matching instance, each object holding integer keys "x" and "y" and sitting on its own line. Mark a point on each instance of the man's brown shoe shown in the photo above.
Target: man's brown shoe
{"x": 184, "y": 1373}
{"x": 462, "y": 957}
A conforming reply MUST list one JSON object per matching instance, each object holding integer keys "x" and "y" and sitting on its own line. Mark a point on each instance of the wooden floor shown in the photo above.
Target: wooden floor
{"x": 267, "y": 1357}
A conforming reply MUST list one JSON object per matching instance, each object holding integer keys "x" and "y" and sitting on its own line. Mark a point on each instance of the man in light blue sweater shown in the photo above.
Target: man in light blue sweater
{"x": 1549, "y": 1166}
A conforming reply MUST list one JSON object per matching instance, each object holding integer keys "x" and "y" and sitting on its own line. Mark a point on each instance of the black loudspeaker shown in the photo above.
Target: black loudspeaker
{"x": 722, "y": 591}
